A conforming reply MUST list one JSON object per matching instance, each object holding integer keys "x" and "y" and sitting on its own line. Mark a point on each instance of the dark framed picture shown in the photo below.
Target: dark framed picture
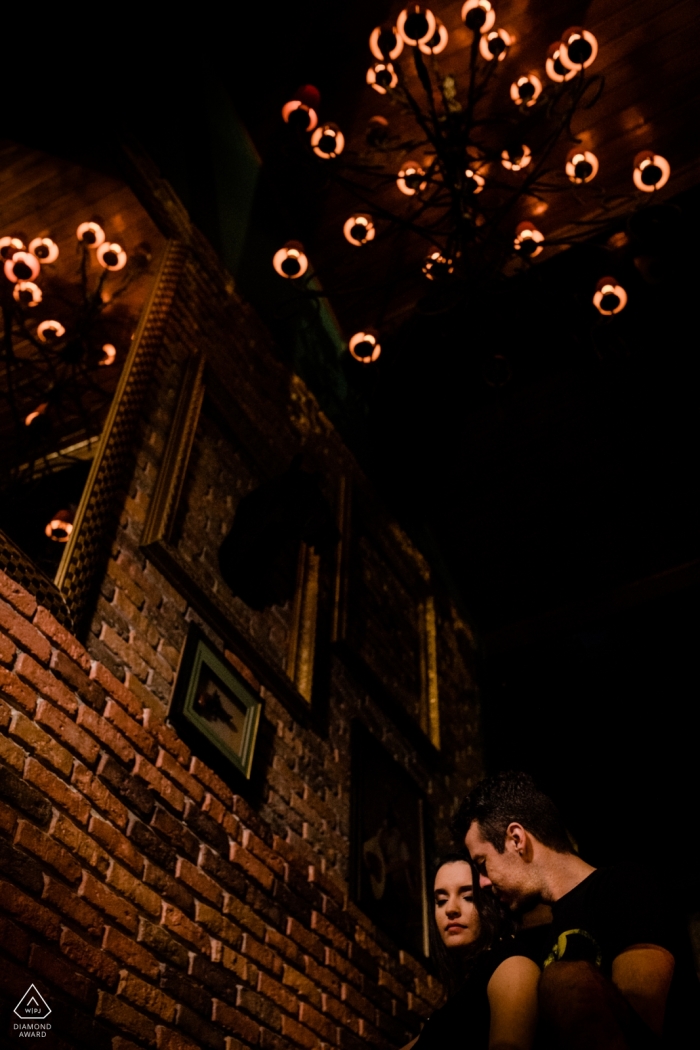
{"x": 388, "y": 854}
{"x": 212, "y": 699}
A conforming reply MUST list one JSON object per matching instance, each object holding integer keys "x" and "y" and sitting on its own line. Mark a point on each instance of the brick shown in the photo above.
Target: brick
{"x": 210, "y": 780}
{"x": 69, "y": 904}
{"x": 24, "y": 797}
{"x": 334, "y": 888}
{"x": 15, "y": 688}
{"x": 247, "y": 816}
{"x": 217, "y": 924}
{"x": 260, "y": 954}
{"x": 41, "y": 743}
{"x": 175, "y": 833}
{"x": 262, "y": 851}
{"x": 283, "y": 946}
{"x": 71, "y": 735}
{"x": 46, "y": 683}
{"x": 224, "y": 873}
{"x": 167, "y": 886}
{"x": 260, "y": 1008}
{"x": 44, "y": 847}
{"x": 129, "y": 788}
{"x": 123, "y": 1016}
{"x": 124, "y": 882}
{"x": 29, "y": 912}
{"x": 235, "y": 962}
{"x": 392, "y": 985}
{"x": 166, "y": 1039}
{"x": 277, "y": 993}
{"x": 301, "y": 984}
{"x": 116, "y": 843}
{"x": 244, "y": 915}
{"x": 116, "y": 689}
{"x": 7, "y": 650}
{"x": 341, "y": 966}
{"x": 57, "y": 790}
{"x": 292, "y": 904}
{"x": 20, "y": 868}
{"x": 240, "y": 856}
{"x": 339, "y": 1011}
{"x": 177, "y": 923}
{"x": 298, "y": 1033}
{"x": 14, "y": 940}
{"x": 146, "y": 997}
{"x": 97, "y": 894}
{"x": 92, "y": 693}
{"x": 234, "y": 1021}
{"x": 305, "y": 939}
{"x": 139, "y": 737}
{"x": 206, "y": 828}
{"x": 201, "y": 885}
{"x": 160, "y": 784}
{"x": 309, "y": 1016}
{"x": 91, "y": 959}
{"x": 87, "y": 783}
{"x": 44, "y": 963}
{"x": 17, "y": 596}
{"x": 339, "y": 918}
{"x": 368, "y": 963}
{"x": 215, "y": 977}
{"x": 201, "y": 1031}
{"x": 172, "y": 768}
{"x": 129, "y": 952}
{"x": 162, "y": 944}
{"x": 8, "y": 819}
{"x": 152, "y": 845}
{"x": 166, "y": 736}
{"x": 79, "y": 843}
{"x": 49, "y": 626}
{"x": 141, "y": 625}
{"x": 183, "y": 989}
{"x": 97, "y": 726}
{"x": 26, "y": 636}
{"x": 143, "y": 695}
{"x": 357, "y": 1002}
{"x": 126, "y": 583}
{"x": 122, "y": 649}
{"x": 11, "y": 754}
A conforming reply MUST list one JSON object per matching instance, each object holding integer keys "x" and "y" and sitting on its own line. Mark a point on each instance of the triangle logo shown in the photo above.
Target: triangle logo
{"x": 32, "y": 1006}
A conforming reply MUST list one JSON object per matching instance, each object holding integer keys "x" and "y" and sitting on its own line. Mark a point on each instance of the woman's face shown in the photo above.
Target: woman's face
{"x": 455, "y": 913}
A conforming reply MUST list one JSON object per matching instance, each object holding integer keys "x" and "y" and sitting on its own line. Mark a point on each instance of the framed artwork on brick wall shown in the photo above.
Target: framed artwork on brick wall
{"x": 388, "y": 854}
{"x": 215, "y": 703}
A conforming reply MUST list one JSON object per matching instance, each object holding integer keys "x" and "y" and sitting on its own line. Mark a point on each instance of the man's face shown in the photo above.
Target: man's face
{"x": 506, "y": 872}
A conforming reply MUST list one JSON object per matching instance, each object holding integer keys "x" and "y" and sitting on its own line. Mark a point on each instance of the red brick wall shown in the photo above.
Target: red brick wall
{"x": 150, "y": 905}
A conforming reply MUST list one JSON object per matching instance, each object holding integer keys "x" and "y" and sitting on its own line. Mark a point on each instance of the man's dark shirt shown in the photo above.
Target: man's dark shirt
{"x": 615, "y": 908}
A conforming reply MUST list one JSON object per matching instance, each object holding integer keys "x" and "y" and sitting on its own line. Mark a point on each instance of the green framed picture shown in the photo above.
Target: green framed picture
{"x": 216, "y": 701}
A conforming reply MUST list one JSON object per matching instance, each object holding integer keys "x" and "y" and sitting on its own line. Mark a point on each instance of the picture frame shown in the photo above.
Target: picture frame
{"x": 213, "y": 705}
{"x": 388, "y": 877}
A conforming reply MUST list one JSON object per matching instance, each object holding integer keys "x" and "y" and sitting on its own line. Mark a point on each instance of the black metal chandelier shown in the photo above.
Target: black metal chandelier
{"x": 468, "y": 168}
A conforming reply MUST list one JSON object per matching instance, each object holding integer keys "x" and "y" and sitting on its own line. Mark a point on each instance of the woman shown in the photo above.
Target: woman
{"x": 490, "y": 976}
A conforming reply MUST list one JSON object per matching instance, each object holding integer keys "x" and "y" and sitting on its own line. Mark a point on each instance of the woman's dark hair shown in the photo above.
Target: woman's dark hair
{"x": 454, "y": 964}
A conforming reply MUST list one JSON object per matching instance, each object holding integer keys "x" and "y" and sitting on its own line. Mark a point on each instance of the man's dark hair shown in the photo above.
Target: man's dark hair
{"x": 500, "y": 800}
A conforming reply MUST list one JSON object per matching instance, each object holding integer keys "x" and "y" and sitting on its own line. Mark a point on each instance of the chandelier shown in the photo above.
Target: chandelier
{"x": 468, "y": 163}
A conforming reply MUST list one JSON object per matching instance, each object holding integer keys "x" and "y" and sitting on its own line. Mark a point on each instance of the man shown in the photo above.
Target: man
{"x": 619, "y": 973}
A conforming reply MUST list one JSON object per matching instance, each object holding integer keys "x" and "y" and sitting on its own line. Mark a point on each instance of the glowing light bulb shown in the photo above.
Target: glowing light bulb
{"x": 495, "y": 44}
{"x": 39, "y": 411}
{"x": 45, "y": 250}
{"x": 554, "y": 67}
{"x": 60, "y": 526}
{"x": 385, "y": 44}
{"x": 111, "y": 256}
{"x": 290, "y": 261}
{"x": 651, "y": 172}
{"x": 526, "y": 90}
{"x": 365, "y": 346}
{"x": 416, "y": 24}
{"x": 382, "y": 77}
{"x": 359, "y": 230}
{"x": 10, "y": 245}
{"x": 473, "y": 182}
{"x": 22, "y": 266}
{"x": 328, "y": 141}
{"x": 437, "y": 42}
{"x": 411, "y": 178}
{"x": 581, "y": 165}
{"x": 437, "y": 267}
{"x": 110, "y": 353}
{"x": 515, "y": 158}
{"x": 578, "y": 50}
{"x": 478, "y": 15}
{"x": 610, "y": 297}
{"x": 300, "y": 115}
{"x": 27, "y": 293}
{"x": 50, "y": 331}
{"x": 90, "y": 234}
{"x": 528, "y": 240}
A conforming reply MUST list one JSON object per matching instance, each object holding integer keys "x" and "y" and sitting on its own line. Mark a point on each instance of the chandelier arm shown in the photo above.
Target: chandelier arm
{"x": 383, "y": 212}
{"x": 424, "y": 77}
{"x": 418, "y": 114}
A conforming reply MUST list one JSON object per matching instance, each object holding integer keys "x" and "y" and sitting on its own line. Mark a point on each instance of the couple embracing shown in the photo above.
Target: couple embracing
{"x": 538, "y": 949}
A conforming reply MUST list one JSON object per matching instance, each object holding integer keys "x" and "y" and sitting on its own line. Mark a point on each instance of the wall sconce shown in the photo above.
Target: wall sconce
{"x": 515, "y": 158}
{"x": 554, "y": 67}
{"x": 365, "y": 346}
{"x": 581, "y": 165}
{"x": 411, "y": 179}
{"x": 45, "y": 250}
{"x": 528, "y": 240}
{"x": 526, "y": 90}
{"x": 437, "y": 43}
{"x": 385, "y": 44}
{"x": 416, "y": 24}
{"x": 651, "y": 172}
{"x": 328, "y": 141}
{"x": 27, "y": 293}
{"x": 359, "y": 230}
{"x": 473, "y": 182}
{"x": 478, "y": 15}
{"x": 495, "y": 44}
{"x": 60, "y": 526}
{"x": 610, "y": 297}
{"x": 578, "y": 49}
{"x": 382, "y": 77}
{"x": 436, "y": 267}
{"x": 291, "y": 261}
{"x": 50, "y": 331}
{"x": 90, "y": 234}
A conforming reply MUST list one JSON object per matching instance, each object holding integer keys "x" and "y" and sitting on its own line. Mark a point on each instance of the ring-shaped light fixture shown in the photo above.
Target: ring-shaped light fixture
{"x": 478, "y": 15}
{"x": 90, "y": 234}
{"x": 437, "y": 266}
{"x": 110, "y": 352}
{"x": 10, "y": 245}
{"x": 515, "y": 158}
{"x": 49, "y": 331}
{"x": 473, "y": 182}
{"x": 651, "y": 172}
{"x": 365, "y": 346}
{"x": 359, "y": 230}
{"x": 578, "y": 50}
{"x": 495, "y": 44}
{"x": 555, "y": 68}
{"x": 411, "y": 178}
{"x": 382, "y": 77}
{"x": 38, "y": 411}
{"x": 60, "y": 526}
{"x": 581, "y": 165}
{"x": 27, "y": 293}
{"x": 22, "y": 266}
{"x": 610, "y": 297}
{"x": 416, "y": 20}
{"x": 290, "y": 261}
{"x": 45, "y": 250}
{"x": 111, "y": 256}
{"x": 528, "y": 240}
{"x": 437, "y": 43}
{"x": 385, "y": 44}
{"x": 296, "y": 112}
{"x": 328, "y": 141}
{"x": 526, "y": 90}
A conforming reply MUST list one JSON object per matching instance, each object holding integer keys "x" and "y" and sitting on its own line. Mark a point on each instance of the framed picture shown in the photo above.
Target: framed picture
{"x": 212, "y": 699}
{"x": 388, "y": 865}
